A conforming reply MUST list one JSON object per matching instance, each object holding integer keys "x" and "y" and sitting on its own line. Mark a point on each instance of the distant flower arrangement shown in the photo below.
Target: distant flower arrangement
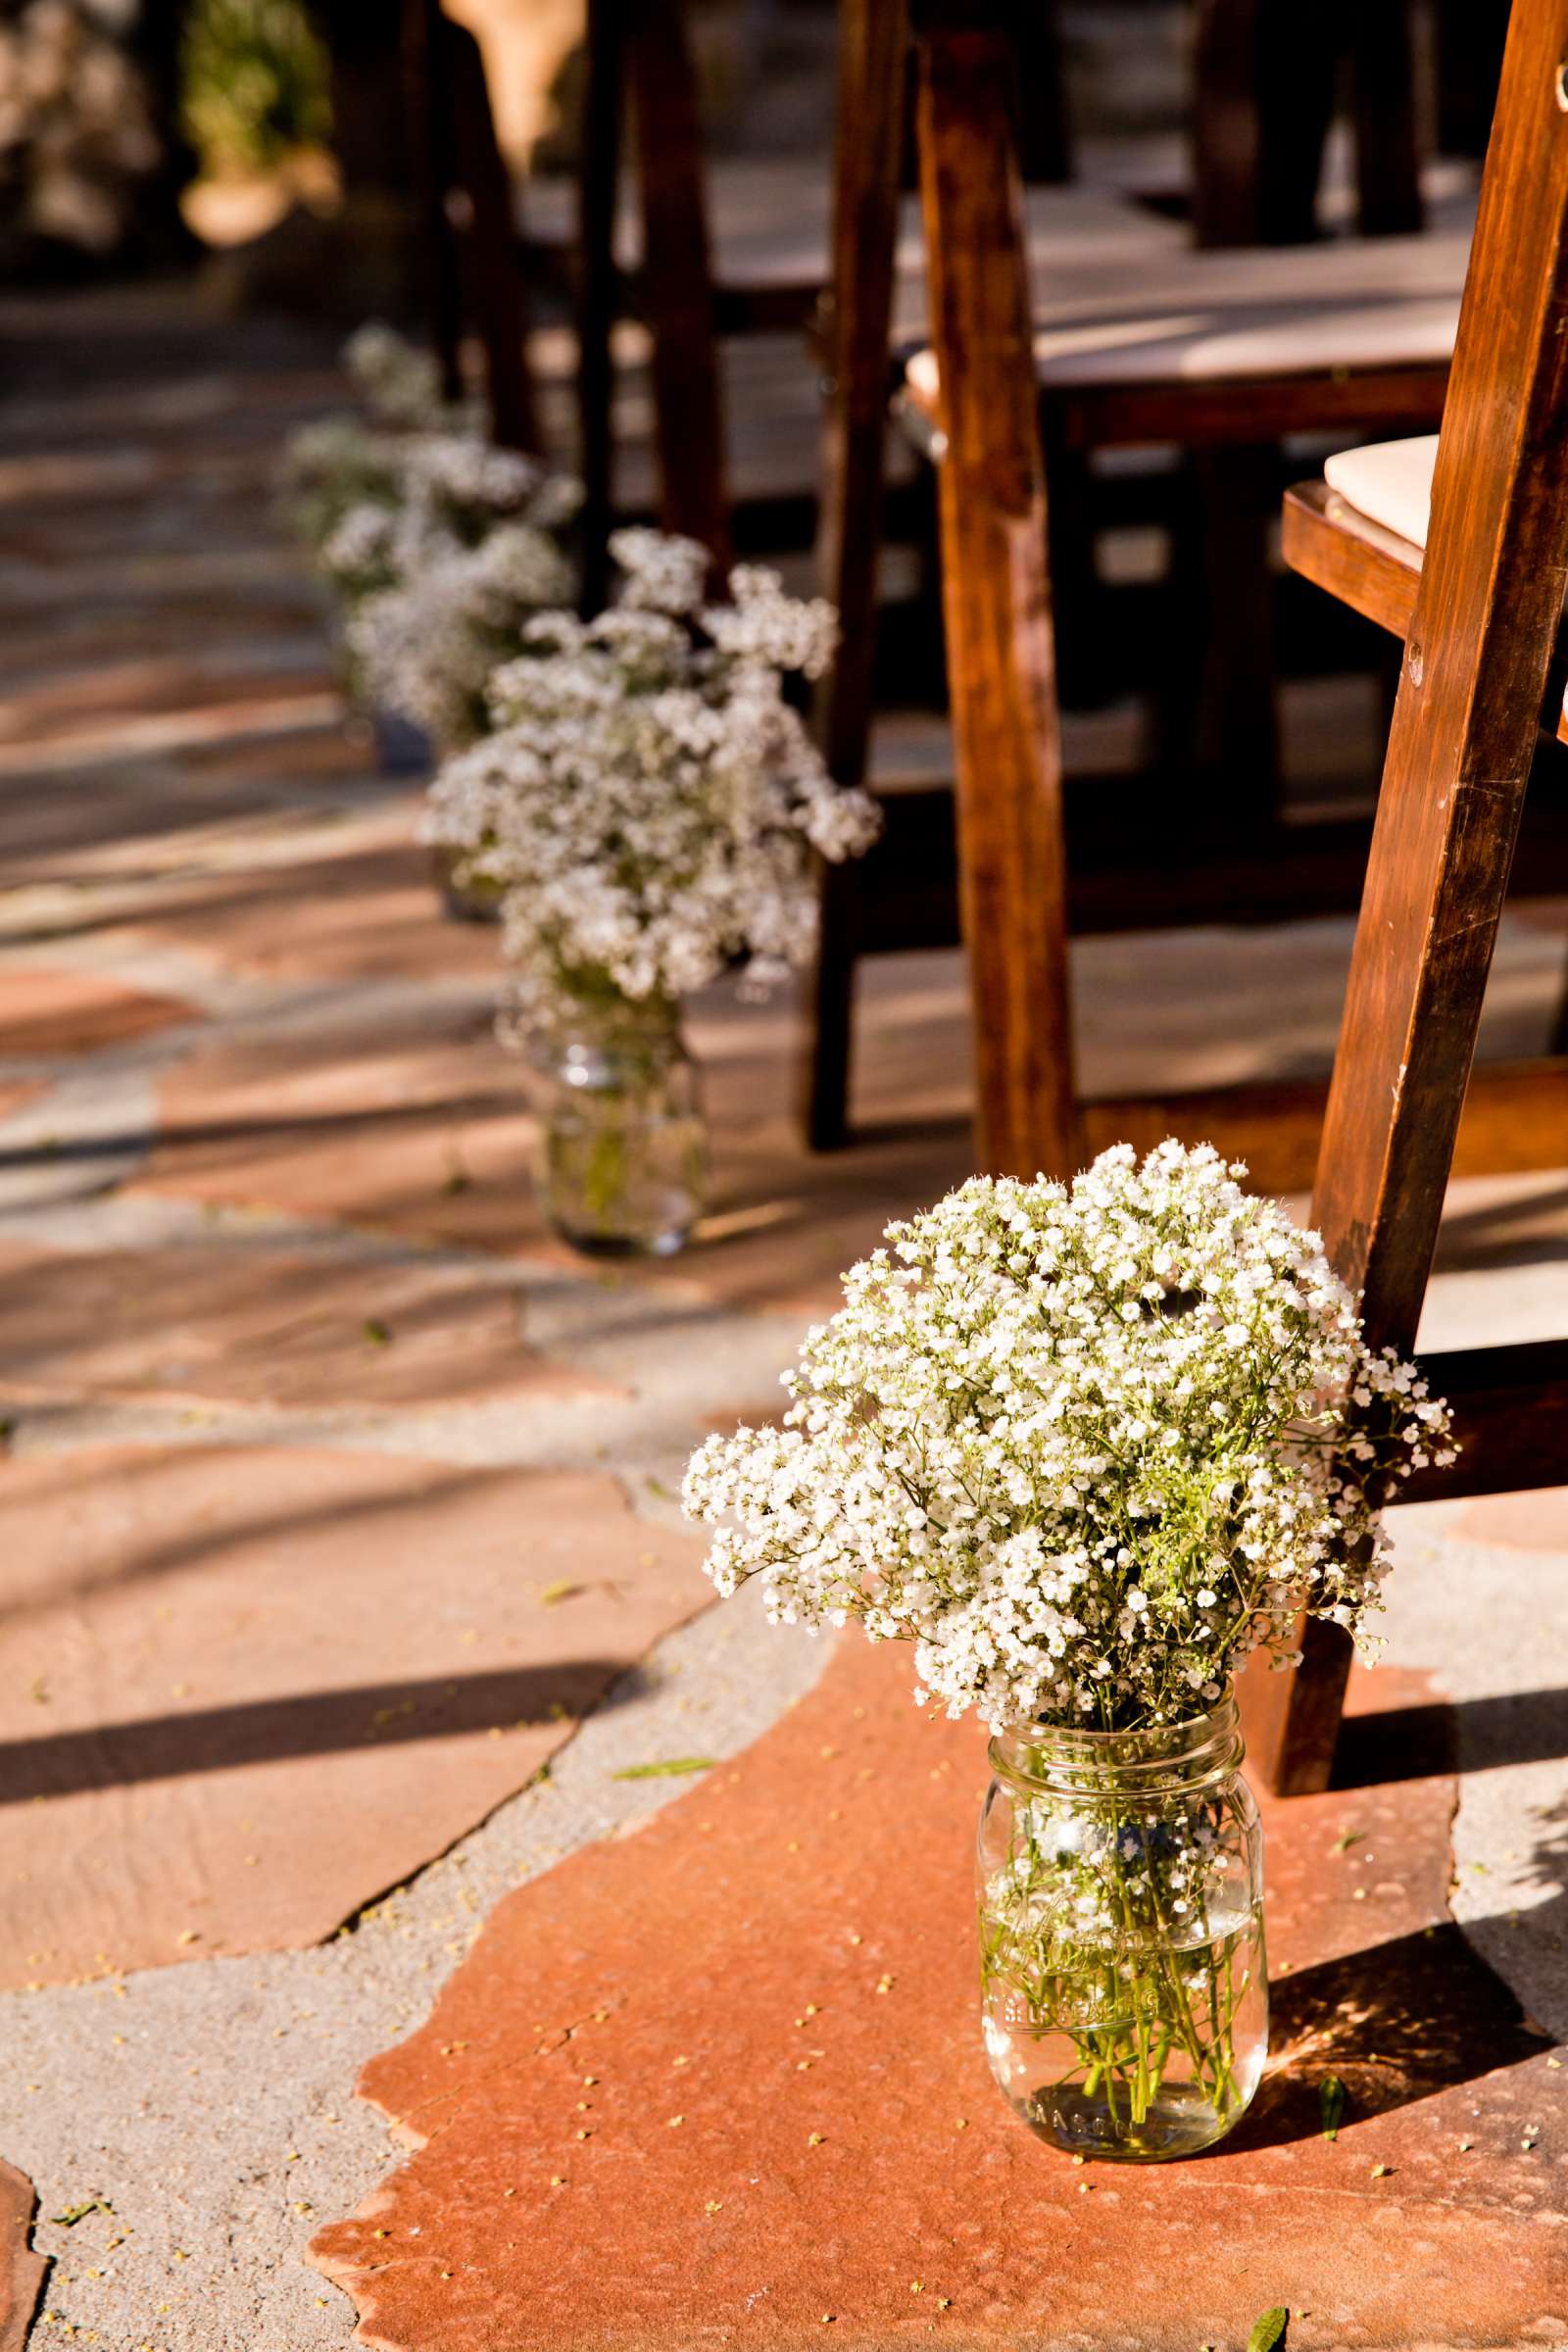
{"x": 437, "y": 543}
{"x": 649, "y": 798}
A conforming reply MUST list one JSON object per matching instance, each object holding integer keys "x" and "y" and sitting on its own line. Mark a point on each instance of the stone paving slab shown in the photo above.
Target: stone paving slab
{"x": 1536, "y": 1522}
{"x": 236, "y": 1321}
{"x": 725, "y": 2086}
{"x": 45, "y": 1013}
{"x": 141, "y": 819}
{"x": 21, "y": 2271}
{"x": 417, "y": 1127}
{"x": 247, "y": 1689}
{"x": 334, "y": 910}
{"x": 211, "y": 2105}
{"x": 18, "y": 1096}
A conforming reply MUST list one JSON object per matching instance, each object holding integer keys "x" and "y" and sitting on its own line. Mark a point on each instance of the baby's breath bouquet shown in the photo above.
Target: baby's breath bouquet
{"x": 355, "y": 458}
{"x": 1087, "y": 1447}
{"x": 649, "y": 798}
{"x": 435, "y": 544}
{"x": 446, "y": 610}
{"x": 646, "y": 806}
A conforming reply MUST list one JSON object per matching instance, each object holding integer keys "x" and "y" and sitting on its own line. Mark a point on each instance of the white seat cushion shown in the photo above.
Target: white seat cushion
{"x": 770, "y": 219}
{"x": 1390, "y": 483}
{"x": 1244, "y": 315}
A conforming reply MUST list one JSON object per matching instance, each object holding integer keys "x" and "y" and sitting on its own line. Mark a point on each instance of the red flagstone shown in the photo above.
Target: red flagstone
{"x": 423, "y": 1133}
{"x": 53, "y": 1013}
{"x": 257, "y": 1323}
{"x": 424, "y": 1128}
{"x": 361, "y": 909}
{"x": 17, "y": 1097}
{"x": 22, "y": 2271}
{"x": 245, "y": 1689}
{"x": 665, "y": 2102}
{"x": 134, "y": 823}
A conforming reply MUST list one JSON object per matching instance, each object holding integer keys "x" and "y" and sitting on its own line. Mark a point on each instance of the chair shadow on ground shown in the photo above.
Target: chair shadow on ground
{"x": 1420, "y": 2013}
{"x": 1409, "y": 1743}
{"x": 1396, "y": 2022}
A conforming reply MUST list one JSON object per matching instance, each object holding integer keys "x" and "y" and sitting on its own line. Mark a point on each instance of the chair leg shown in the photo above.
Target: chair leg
{"x": 1477, "y": 663}
{"x": 1214, "y": 698}
{"x": 827, "y": 1061}
{"x": 1388, "y": 157}
{"x": 500, "y": 298}
{"x": 873, "y": 45}
{"x": 1236, "y": 754}
{"x": 1558, "y": 1041}
{"x": 677, "y": 280}
{"x": 1264, "y": 91}
{"x": 598, "y": 182}
{"x": 997, "y": 597}
{"x": 428, "y": 103}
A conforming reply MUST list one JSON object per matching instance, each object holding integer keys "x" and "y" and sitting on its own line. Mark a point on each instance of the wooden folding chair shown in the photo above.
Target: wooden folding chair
{"x": 694, "y": 282}
{"x": 1109, "y": 379}
{"x": 482, "y": 263}
{"x": 466, "y": 203}
{"x": 1481, "y": 609}
{"x": 1263, "y": 83}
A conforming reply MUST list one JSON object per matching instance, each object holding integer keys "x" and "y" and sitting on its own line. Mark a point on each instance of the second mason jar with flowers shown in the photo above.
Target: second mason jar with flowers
{"x": 645, "y": 812}
{"x": 623, "y": 1142}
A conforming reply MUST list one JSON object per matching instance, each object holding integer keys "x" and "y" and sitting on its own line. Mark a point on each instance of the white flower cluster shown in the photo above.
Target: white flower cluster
{"x": 649, "y": 796}
{"x": 425, "y": 645}
{"x": 386, "y": 497}
{"x": 1084, "y": 1447}
{"x": 397, "y": 383}
{"x": 1111, "y": 1877}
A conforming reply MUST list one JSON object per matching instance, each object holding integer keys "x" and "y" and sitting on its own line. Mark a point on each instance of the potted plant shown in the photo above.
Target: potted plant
{"x": 1087, "y": 1447}
{"x": 435, "y": 544}
{"x": 647, "y": 806}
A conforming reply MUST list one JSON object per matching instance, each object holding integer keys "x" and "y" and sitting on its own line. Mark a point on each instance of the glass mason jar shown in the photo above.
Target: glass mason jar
{"x": 1124, "y": 1985}
{"x": 623, "y": 1144}
{"x": 464, "y": 897}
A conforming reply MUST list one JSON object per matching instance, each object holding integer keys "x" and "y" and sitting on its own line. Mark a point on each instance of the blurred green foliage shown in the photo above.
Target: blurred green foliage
{"x": 255, "y": 82}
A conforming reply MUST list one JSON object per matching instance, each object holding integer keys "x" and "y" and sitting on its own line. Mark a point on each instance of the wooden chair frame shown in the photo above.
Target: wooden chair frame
{"x": 466, "y": 207}
{"x": 637, "y": 61}
{"x": 1480, "y": 657}
{"x": 904, "y": 896}
{"x": 1483, "y": 663}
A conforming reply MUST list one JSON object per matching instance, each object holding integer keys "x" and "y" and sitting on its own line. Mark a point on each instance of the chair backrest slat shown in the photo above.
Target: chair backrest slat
{"x": 1464, "y": 727}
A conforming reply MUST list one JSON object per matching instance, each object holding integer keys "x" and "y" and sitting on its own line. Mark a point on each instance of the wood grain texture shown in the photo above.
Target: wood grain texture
{"x": 1510, "y": 1417}
{"x": 1214, "y": 412}
{"x": 1478, "y": 655}
{"x": 1373, "y": 570}
{"x": 1480, "y": 645}
{"x": 997, "y": 601}
{"x": 853, "y": 328}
